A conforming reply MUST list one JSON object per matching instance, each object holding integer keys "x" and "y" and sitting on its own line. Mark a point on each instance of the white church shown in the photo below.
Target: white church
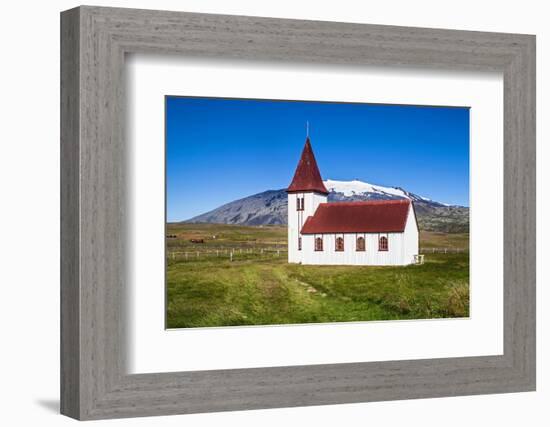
{"x": 378, "y": 232}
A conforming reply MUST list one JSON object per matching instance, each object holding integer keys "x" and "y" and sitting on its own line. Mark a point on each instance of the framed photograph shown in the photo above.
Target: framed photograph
{"x": 244, "y": 262}
{"x": 262, "y": 213}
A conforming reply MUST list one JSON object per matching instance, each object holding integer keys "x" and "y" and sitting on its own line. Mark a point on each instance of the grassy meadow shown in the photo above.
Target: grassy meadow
{"x": 239, "y": 275}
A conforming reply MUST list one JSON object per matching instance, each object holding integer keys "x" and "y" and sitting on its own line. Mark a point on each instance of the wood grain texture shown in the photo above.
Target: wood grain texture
{"x": 70, "y": 314}
{"x": 94, "y": 272}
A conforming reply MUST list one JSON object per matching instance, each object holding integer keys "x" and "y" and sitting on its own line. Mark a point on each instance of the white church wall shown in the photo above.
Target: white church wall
{"x": 294, "y": 225}
{"x": 411, "y": 237}
{"x": 297, "y": 218}
{"x": 350, "y": 256}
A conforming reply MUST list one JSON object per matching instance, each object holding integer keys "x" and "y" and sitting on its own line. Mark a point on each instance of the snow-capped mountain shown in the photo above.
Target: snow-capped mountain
{"x": 270, "y": 207}
{"x": 365, "y": 191}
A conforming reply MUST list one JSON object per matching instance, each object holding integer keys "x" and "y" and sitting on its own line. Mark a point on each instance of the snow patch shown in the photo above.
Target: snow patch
{"x": 350, "y": 188}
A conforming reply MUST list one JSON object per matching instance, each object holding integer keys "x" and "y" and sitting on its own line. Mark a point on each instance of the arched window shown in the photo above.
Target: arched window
{"x": 299, "y": 203}
{"x": 383, "y": 243}
{"x": 318, "y": 244}
{"x": 299, "y": 243}
{"x": 339, "y": 244}
{"x": 360, "y": 244}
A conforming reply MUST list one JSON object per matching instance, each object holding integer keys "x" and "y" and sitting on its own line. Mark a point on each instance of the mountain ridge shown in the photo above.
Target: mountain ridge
{"x": 270, "y": 207}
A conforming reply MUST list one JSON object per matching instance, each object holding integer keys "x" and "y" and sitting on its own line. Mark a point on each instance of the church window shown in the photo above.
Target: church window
{"x": 299, "y": 243}
{"x": 383, "y": 243}
{"x": 339, "y": 244}
{"x": 360, "y": 245}
{"x": 318, "y": 244}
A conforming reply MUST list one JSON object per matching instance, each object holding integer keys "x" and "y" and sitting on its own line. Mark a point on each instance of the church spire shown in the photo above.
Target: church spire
{"x": 307, "y": 176}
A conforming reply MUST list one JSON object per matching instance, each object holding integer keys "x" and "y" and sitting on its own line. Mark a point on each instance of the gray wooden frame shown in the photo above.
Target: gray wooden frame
{"x": 94, "y": 382}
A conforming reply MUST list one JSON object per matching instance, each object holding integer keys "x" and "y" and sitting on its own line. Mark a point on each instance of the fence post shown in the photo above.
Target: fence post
{"x": 231, "y": 256}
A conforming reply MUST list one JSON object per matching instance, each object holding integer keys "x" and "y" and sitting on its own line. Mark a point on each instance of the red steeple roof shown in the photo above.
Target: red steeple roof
{"x": 307, "y": 176}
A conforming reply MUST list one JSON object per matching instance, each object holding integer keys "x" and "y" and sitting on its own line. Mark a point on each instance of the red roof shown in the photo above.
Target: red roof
{"x": 307, "y": 176}
{"x": 378, "y": 216}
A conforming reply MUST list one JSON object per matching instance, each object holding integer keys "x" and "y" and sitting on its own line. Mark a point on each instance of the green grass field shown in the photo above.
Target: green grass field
{"x": 258, "y": 287}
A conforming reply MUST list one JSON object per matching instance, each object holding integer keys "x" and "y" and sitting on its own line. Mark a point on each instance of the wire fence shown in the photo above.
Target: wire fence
{"x": 443, "y": 250}
{"x": 233, "y": 254}
{"x": 227, "y": 253}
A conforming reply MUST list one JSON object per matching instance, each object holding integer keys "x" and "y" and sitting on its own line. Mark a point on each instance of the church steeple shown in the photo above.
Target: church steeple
{"x": 307, "y": 176}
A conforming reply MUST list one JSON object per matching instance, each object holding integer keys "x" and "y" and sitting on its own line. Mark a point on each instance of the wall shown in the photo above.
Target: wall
{"x": 410, "y": 238}
{"x": 29, "y": 177}
{"x": 297, "y": 220}
{"x": 349, "y": 256}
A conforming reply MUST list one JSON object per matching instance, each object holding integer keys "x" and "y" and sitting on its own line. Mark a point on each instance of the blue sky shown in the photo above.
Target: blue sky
{"x": 219, "y": 150}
